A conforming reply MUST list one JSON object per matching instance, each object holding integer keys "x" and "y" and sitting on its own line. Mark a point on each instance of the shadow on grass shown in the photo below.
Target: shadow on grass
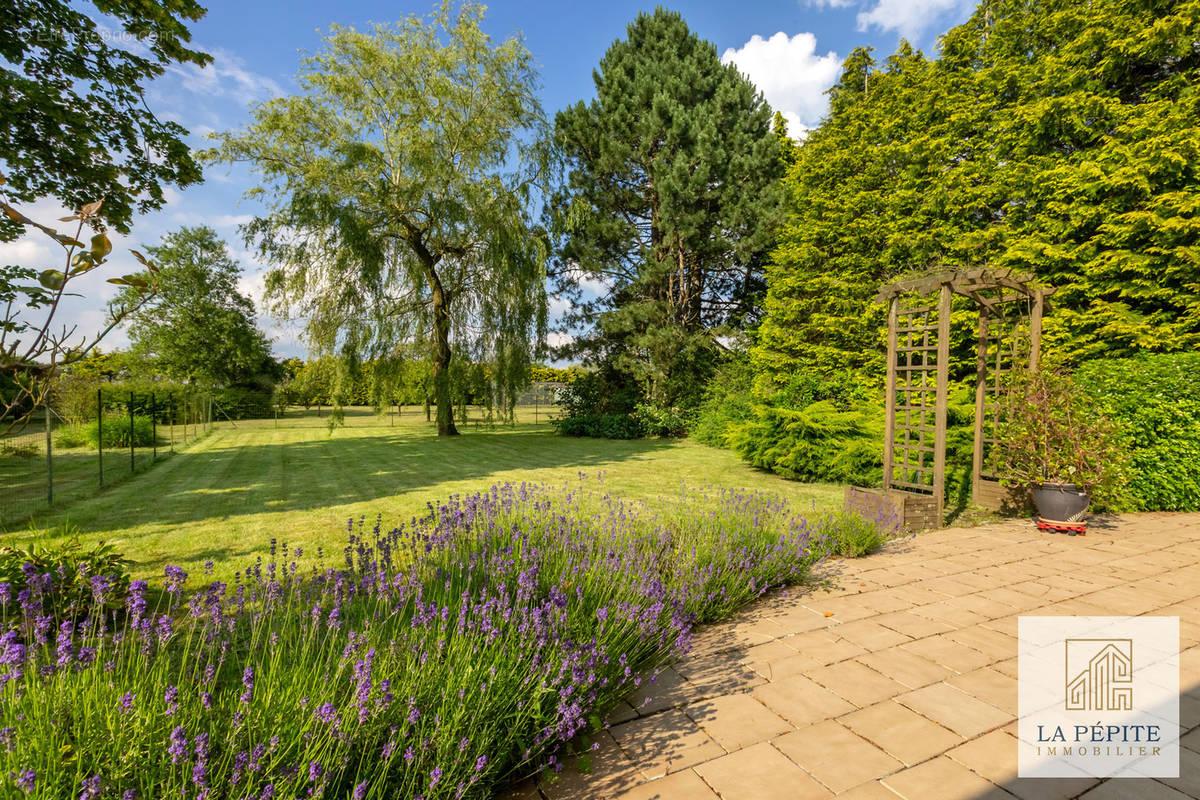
{"x": 233, "y": 476}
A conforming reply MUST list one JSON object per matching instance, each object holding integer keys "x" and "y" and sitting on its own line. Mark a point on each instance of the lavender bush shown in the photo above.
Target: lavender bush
{"x": 439, "y": 660}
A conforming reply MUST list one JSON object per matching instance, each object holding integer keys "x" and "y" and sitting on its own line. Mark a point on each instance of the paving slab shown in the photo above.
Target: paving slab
{"x": 899, "y": 680}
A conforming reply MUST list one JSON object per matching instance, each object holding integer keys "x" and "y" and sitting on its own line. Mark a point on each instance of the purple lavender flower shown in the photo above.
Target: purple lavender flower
{"x": 435, "y": 775}
{"x": 41, "y": 628}
{"x": 100, "y": 588}
{"x": 12, "y": 652}
{"x": 129, "y": 794}
{"x": 360, "y": 791}
{"x": 91, "y": 788}
{"x": 248, "y": 682}
{"x": 135, "y": 601}
{"x": 26, "y": 781}
{"x": 63, "y": 648}
{"x": 314, "y": 771}
{"x": 178, "y": 748}
{"x": 480, "y": 763}
{"x": 126, "y": 702}
{"x": 200, "y": 769}
{"x": 175, "y": 578}
{"x": 85, "y": 657}
{"x": 326, "y": 713}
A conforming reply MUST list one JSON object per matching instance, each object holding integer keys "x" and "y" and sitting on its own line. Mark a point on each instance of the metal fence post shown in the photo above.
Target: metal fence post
{"x": 100, "y": 433}
{"x": 49, "y": 455}
{"x": 153, "y": 427}
{"x": 132, "y": 465}
{"x": 171, "y": 419}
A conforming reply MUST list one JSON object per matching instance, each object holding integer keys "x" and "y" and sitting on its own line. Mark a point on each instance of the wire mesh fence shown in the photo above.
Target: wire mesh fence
{"x": 56, "y": 457}
{"x": 70, "y": 450}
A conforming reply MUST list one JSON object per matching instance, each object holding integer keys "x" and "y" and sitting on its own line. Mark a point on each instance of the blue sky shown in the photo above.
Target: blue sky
{"x": 791, "y": 49}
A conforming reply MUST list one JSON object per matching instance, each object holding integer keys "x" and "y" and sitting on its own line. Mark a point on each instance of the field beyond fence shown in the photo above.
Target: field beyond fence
{"x": 58, "y": 457}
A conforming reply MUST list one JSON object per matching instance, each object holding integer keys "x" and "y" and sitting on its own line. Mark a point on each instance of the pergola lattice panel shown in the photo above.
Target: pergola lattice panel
{"x": 918, "y": 374}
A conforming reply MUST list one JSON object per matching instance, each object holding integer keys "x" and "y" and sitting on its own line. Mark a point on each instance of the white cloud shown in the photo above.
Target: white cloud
{"x": 28, "y": 253}
{"x": 823, "y": 4}
{"x": 790, "y": 74}
{"x": 557, "y": 305}
{"x": 231, "y": 220}
{"x": 253, "y": 285}
{"x": 909, "y": 18}
{"x": 558, "y": 339}
{"x": 227, "y": 76}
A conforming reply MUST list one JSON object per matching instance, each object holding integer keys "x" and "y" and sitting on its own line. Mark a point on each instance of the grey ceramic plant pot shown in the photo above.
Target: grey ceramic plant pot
{"x": 1061, "y": 502}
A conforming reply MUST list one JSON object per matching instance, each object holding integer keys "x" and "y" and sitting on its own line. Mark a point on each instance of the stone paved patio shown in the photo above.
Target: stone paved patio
{"x": 901, "y": 681}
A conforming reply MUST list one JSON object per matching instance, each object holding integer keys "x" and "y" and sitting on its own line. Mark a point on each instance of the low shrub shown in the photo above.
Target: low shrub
{"x": 599, "y": 404}
{"x": 438, "y": 662}
{"x": 76, "y": 575}
{"x": 601, "y": 426}
{"x": 75, "y": 435}
{"x": 819, "y": 442}
{"x": 1052, "y": 432}
{"x": 660, "y": 421}
{"x": 1155, "y": 402}
{"x": 116, "y": 431}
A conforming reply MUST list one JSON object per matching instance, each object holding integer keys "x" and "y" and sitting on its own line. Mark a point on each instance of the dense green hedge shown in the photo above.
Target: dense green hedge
{"x": 1155, "y": 399}
{"x": 600, "y": 426}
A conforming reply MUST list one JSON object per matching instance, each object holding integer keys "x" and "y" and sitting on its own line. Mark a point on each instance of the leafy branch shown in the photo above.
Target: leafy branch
{"x": 32, "y": 348}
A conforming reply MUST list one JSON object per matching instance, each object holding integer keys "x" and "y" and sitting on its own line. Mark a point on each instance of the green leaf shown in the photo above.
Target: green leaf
{"x": 101, "y": 246}
{"x": 52, "y": 279}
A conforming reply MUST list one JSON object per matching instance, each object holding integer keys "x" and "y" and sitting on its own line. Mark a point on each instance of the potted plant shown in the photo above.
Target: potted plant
{"x": 1056, "y": 445}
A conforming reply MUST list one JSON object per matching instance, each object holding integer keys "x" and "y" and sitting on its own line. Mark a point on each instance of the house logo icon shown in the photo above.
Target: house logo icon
{"x": 1099, "y": 675}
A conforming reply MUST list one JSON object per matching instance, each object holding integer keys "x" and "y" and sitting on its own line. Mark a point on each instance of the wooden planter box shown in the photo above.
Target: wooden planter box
{"x": 895, "y": 510}
{"x": 994, "y": 497}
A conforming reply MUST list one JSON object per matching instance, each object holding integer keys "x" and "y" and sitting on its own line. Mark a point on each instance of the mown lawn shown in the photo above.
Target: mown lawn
{"x": 226, "y": 496}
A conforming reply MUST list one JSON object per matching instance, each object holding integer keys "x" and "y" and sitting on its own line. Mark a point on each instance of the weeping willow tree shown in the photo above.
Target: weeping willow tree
{"x": 397, "y": 187}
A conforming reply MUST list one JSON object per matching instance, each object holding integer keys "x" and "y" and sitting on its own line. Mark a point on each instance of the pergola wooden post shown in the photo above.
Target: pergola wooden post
{"x": 914, "y": 468}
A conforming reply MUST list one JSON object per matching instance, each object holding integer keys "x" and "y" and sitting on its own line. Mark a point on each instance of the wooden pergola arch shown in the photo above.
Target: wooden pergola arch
{"x": 918, "y": 374}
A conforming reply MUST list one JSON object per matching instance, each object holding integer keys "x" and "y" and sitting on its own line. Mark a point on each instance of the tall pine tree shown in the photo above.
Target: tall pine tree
{"x": 669, "y": 207}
